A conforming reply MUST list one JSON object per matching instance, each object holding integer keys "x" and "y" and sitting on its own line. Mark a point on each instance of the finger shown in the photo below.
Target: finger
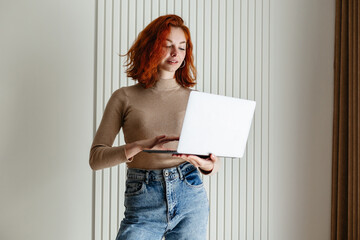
{"x": 160, "y": 137}
{"x": 167, "y": 140}
{"x": 172, "y": 138}
{"x": 213, "y": 157}
{"x": 183, "y": 156}
{"x": 161, "y": 141}
{"x": 202, "y": 163}
{"x": 180, "y": 156}
{"x": 195, "y": 163}
{"x": 196, "y": 159}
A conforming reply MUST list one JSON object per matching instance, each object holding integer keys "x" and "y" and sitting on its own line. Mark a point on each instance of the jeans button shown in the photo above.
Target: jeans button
{"x": 166, "y": 173}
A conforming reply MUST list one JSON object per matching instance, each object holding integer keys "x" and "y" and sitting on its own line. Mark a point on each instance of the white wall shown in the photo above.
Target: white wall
{"x": 231, "y": 46}
{"x": 301, "y": 90}
{"x": 279, "y": 53}
{"x": 282, "y": 189}
{"x": 46, "y": 103}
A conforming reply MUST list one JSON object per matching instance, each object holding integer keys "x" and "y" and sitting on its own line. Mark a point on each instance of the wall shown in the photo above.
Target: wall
{"x": 231, "y": 56}
{"x": 278, "y": 53}
{"x": 46, "y": 102}
{"x": 301, "y": 90}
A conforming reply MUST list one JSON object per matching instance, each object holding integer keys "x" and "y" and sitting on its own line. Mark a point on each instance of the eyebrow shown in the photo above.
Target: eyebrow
{"x": 172, "y": 41}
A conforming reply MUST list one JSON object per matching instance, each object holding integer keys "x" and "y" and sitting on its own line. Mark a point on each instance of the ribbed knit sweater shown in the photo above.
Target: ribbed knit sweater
{"x": 142, "y": 114}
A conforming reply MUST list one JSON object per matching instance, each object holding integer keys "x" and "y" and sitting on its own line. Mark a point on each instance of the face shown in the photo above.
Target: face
{"x": 175, "y": 51}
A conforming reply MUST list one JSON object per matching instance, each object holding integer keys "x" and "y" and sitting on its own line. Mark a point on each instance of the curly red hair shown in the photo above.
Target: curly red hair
{"x": 147, "y": 52}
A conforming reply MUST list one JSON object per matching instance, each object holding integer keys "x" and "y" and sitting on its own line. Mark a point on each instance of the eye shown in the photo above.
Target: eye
{"x": 182, "y": 49}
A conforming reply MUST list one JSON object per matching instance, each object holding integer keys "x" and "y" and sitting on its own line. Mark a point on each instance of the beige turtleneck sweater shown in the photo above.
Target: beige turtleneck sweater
{"x": 143, "y": 114}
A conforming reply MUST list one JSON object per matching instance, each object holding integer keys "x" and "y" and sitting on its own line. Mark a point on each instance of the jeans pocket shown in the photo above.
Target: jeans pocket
{"x": 193, "y": 179}
{"x": 134, "y": 187}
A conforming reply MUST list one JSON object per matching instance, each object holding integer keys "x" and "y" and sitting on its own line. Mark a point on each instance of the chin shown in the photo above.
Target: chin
{"x": 172, "y": 69}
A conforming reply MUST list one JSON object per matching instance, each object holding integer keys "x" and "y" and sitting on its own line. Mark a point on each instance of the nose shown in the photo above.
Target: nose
{"x": 174, "y": 52}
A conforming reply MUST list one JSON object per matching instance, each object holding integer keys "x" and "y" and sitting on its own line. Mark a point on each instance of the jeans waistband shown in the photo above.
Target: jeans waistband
{"x": 160, "y": 174}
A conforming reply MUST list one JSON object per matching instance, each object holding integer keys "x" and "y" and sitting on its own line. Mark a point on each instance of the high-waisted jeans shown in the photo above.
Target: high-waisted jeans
{"x": 170, "y": 203}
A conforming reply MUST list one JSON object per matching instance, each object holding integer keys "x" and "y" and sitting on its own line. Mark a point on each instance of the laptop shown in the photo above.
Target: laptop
{"x": 214, "y": 124}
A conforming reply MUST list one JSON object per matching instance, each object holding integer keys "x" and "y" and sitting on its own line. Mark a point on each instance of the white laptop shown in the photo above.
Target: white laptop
{"x": 214, "y": 124}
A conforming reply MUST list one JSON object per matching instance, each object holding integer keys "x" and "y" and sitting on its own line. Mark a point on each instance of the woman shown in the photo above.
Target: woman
{"x": 164, "y": 195}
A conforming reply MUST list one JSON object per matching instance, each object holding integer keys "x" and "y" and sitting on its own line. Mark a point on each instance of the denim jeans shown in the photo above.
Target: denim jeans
{"x": 170, "y": 203}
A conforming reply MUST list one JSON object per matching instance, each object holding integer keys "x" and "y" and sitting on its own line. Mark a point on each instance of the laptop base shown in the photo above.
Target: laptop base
{"x": 174, "y": 152}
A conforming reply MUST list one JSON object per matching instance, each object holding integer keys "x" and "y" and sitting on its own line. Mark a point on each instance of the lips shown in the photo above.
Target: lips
{"x": 172, "y": 62}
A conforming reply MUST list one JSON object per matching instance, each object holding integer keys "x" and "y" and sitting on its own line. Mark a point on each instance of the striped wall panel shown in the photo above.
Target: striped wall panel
{"x": 231, "y": 48}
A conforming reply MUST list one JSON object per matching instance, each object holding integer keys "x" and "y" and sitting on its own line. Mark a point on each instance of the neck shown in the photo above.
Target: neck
{"x": 163, "y": 84}
{"x": 162, "y": 74}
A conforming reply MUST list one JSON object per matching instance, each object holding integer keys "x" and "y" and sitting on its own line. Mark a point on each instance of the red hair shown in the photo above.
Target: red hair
{"x": 146, "y": 53}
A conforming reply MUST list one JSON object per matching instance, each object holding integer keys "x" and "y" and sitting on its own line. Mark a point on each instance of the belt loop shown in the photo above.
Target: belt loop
{"x": 180, "y": 173}
{"x": 147, "y": 177}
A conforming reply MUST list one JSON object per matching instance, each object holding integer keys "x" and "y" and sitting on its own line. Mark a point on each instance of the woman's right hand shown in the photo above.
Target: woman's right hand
{"x": 156, "y": 143}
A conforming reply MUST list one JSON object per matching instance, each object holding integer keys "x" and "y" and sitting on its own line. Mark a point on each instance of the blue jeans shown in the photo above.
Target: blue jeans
{"x": 170, "y": 203}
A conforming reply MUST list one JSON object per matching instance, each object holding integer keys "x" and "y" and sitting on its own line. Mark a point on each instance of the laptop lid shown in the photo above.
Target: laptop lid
{"x": 215, "y": 124}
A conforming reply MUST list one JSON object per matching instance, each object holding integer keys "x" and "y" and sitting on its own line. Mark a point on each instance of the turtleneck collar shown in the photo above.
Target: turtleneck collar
{"x": 166, "y": 84}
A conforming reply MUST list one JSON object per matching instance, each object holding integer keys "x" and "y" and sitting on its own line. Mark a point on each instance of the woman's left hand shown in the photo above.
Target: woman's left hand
{"x": 206, "y": 165}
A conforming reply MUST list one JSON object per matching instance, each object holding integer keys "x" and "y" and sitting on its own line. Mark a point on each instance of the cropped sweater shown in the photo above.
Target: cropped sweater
{"x": 142, "y": 114}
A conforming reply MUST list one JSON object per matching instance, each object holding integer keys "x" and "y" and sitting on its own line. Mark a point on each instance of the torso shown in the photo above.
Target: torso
{"x": 152, "y": 112}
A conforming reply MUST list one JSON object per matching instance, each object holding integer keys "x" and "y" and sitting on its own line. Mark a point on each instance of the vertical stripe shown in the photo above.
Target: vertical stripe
{"x": 231, "y": 50}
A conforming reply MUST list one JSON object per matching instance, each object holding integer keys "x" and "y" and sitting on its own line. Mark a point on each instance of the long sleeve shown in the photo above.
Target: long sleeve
{"x": 141, "y": 114}
{"x": 102, "y": 153}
